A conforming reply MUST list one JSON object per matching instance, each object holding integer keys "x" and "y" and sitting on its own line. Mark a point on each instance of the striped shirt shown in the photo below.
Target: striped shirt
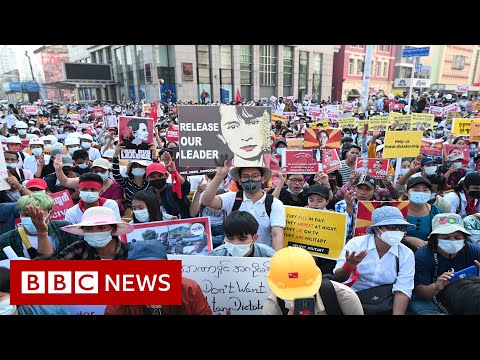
{"x": 128, "y": 185}
{"x": 345, "y": 171}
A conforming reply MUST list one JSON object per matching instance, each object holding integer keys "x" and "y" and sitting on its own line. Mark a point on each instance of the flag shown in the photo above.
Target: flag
{"x": 238, "y": 98}
{"x": 153, "y": 112}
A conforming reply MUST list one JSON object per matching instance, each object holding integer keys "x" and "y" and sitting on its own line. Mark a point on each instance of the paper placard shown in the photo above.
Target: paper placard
{"x": 402, "y": 144}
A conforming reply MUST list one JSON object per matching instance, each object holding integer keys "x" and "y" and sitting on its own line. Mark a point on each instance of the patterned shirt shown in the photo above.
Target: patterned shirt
{"x": 128, "y": 184}
{"x": 341, "y": 207}
{"x": 80, "y": 250}
{"x": 381, "y": 194}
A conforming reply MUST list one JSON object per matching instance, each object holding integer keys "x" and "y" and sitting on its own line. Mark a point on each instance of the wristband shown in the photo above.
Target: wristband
{"x": 353, "y": 277}
{"x": 349, "y": 267}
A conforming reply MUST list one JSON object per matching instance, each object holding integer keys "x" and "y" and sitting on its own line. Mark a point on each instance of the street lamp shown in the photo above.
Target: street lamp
{"x": 160, "y": 82}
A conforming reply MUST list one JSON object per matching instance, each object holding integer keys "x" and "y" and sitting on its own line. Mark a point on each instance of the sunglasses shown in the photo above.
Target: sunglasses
{"x": 396, "y": 227}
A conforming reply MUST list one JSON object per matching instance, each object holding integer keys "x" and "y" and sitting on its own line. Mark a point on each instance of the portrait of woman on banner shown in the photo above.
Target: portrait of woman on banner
{"x": 136, "y": 135}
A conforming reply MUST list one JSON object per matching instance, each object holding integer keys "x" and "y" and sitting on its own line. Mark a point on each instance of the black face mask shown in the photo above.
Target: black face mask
{"x": 158, "y": 184}
{"x": 333, "y": 183}
{"x": 474, "y": 194}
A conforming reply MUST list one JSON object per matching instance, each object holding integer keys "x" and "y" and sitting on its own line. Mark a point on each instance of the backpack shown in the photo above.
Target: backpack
{"x": 239, "y": 199}
{"x": 328, "y": 295}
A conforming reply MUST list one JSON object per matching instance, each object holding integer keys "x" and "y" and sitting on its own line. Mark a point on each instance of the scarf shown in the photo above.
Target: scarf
{"x": 81, "y": 204}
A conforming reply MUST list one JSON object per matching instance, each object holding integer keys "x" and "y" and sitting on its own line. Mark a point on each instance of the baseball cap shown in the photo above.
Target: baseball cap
{"x": 156, "y": 167}
{"x": 428, "y": 160}
{"x": 418, "y": 180}
{"x": 319, "y": 190}
{"x": 365, "y": 180}
{"x": 36, "y": 183}
{"x": 102, "y": 163}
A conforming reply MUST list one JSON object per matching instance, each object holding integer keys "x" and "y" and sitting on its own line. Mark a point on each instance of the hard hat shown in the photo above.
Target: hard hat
{"x": 36, "y": 141}
{"x": 53, "y": 139}
{"x": 14, "y": 140}
{"x": 21, "y": 125}
{"x": 391, "y": 96}
{"x": 293, "y": 274}
{"x": 72, "y": 140}
{"x": 448, "y": 96}
{"x": 86, "y": 137}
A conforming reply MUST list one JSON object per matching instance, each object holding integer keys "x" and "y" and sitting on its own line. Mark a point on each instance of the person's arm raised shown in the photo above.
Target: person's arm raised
{"x": 36, "y": 214}
{"x": 282, "y": 176}
{"x": 210, "y": 197}
{"x": 71, "y": 183}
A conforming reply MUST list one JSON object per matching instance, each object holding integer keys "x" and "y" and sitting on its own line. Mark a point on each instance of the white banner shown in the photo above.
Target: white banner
{"x": 3, "y": 172}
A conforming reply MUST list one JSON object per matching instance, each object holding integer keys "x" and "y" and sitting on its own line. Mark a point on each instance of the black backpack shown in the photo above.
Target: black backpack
{"x": 328, "y": 295}
{"x": 239, "y": 199}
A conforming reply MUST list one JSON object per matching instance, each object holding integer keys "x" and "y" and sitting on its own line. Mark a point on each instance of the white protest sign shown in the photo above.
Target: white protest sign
{"x": 238, "y": 284}
{"x": 30, "y": 110}
{"x": 273, "y": 98}
{"x": 3, "y": 172}
{"x": 11, "y": 120}
{"x": 111, "y": 121}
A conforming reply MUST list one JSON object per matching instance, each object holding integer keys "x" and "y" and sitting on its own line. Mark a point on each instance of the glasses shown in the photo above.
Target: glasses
{"x": 255, "y": 177}
{"x": 396, "y": 227}
{"x": 297, "y": 181}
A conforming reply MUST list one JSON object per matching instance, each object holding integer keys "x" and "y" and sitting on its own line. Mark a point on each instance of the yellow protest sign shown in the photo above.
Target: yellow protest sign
{"x": 293, "y": 143}
{"x": 378, "y": 122}
{"x": 347, "y": 122}
{"x": 399, "y": 121}
{"x": 146, "y": 107}
{"x": 397, "y": 92}
{"x": 321, "y": 123}
{"x": 475, "y": 131}
{"x": 462, "y": 126}
{"x": 321, "y": 233}
{"x": 422, "y": 121}
{"x": 276, "y": 117}
{"x": 402, "y": 144}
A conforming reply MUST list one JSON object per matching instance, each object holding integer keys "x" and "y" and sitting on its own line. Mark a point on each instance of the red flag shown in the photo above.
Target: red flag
{"x": 153, "y": 112}
{"x": 238, "y": 98}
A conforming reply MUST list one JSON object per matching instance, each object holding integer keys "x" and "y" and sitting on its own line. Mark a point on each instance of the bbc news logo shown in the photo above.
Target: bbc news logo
{"x": 89, "y": 282}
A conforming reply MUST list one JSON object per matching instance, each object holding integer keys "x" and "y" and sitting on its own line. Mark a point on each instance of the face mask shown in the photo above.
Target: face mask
{"x": 402, "y": 171}
{"x": 158, "y": 184}
{"x": 430, "y": 170}
{"x": 280, "y": 151}
{"x": 37, "y": 151}
{"x": 12, "y": 165}
{"x": 6, "y": 308}
{"x": 40, "y": 192}
{"x": 451, "y": 246}
{"x": 99, "y": 239}
{"x": 237, "y": 250}
{"x": 251, "y": 187}
{"x": 138, "y": 172}
{"x": 89, "y": 197}
{"x": 419, "y": 198}
{"x": 142, "y": 215}
{"x": 104, "y": 176}
{"x": 22, "y": 132}
{"x": 82, "y": 166}
{"x": 86, "y": 145}
{"x": 474, "y": 194}
{"x": 293, "y": 192}
{"x": 392, "y": 238}
{"x": 27, "y": 223}
{"x": 458, "y": 164}
{"x": 72, "y": 150}
{"x": 439, "y": 132}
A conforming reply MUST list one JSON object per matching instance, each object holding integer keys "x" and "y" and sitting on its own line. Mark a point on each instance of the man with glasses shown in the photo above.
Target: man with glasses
{"x": 267, "y": 210}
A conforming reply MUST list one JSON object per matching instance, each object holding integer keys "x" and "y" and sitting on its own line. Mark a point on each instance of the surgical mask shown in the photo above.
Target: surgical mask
{"x": 238, "y": 250}
{"x": 82, "y": 166}
{"x": 6, "y": 308}
{"x": 251, "y": 187}
{"x": 89, "y": 196}
{"x": 430, "y": 170}
{"x": 158, "y": 184}
{"x": 402, "y": 172}
{"x": 138, "y": 172}
{"x": 22, "y": 132}
{"x": 104, "y": 176}
{"x": 27, "y": 223}
{"x": 451, "y": 246}
{"x": 419, "y": 198}
{"x": 37, "y": 151}
{"x": 12, "y": 165}
{"x": 280, "y": 151}
{"x": 293, "y": 192}
{"x": 458, "y": 164}
{"x": 142, "y": 215}
{"x": 72, "y": 150}
{"x": 86, "y": 145}
{"x": 474, "y": 194}
{"x": 392, "y": 238}
{"x": 39, "y": 192}
{"x": 98, "y": 239}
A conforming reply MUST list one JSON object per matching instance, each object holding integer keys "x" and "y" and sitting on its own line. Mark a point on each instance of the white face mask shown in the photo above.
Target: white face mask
{"x": 39, "y": 192}
{"x": 392, "y": 238}
{"x": 402, "y": 172}
{"x": 12, "y": 165}
{"x": 89, "y": 196}
{"x": 82, "y": 166}
{"x": 98, "y": 239}
{"x": 451, "y": 246}
{"x": 37, "y": 151}
{"x": 238, "y": 250}
{"x": 138, "y": 172}
{"x": 430, "y": 170}
{"x": 6, "y": 308}
{"x": 22, "y": 132}
{"x": 86, "y": 145}
{"x": 142, "y": 215}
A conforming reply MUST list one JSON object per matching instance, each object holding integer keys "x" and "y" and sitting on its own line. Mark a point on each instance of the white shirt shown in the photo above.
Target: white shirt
{"x": 30, "y": 163}
{"x": 277, "y": 216}
{"x": 74, "y": 214}
{"x": 375, "y": 271}
{"x": 454, "y": 201}
{"x": 94, "y": 154}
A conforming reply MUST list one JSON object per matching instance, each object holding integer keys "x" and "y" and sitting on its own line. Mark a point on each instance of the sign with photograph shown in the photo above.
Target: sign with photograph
{"x": 374, "y": 167}
{"x": 189, "y": 170}
{"x": 323, "y": 138}
{"x": 330, "y": 160}
{"x": 187, "y": 71}
{"x": 136, "y": 135}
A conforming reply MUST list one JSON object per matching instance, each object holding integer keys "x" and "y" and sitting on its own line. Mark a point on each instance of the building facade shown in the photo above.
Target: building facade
{"x": 421, "y": 67}
{"x": 185, "y": 72}
{"x": 348, "y": 65}
{"x": 7, "y": 59}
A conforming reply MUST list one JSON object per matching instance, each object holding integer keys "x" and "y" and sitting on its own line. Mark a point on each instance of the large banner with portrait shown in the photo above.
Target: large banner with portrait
{"x": 209, "y": 135}
{"x": 181, "y": 237}
{"x": 136, "y": 134}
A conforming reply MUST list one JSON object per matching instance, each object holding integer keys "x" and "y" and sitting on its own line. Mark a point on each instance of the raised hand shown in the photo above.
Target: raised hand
{"x": 350, "y": 197}
{"x": 222, "y": 171}
{"x": 354, "y": 259}
{"x": 321, "y": 178}
{"x": 38, "y": 218}
{"x": 118, "y": 148}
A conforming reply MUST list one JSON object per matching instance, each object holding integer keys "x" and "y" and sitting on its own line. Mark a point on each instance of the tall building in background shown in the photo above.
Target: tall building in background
{"x": 421, "y": 66}
{"x": 7, "y": 59}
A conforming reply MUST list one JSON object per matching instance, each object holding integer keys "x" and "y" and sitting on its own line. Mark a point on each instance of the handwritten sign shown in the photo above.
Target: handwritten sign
{"x": 293, "y": 143}
{"x": 321, "y": 233}
{"x": 422, "y": 121}
{"x": 3, "y": 172}
{"x": 365, "y": 210}
{"x": 300, "y": 161}
{"x": 402, "y": 144}
{"x": 62, "y": 201}
{"x": 235, "y": 284}
{"x": 11, "y": 120}
{"x": 462, "y": 126}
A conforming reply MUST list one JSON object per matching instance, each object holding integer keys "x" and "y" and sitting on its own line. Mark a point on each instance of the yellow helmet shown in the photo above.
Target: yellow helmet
{"x": 293, "y": 274}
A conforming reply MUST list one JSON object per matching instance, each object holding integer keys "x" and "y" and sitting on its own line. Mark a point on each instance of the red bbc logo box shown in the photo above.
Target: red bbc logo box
{"x": 91, "y": 282}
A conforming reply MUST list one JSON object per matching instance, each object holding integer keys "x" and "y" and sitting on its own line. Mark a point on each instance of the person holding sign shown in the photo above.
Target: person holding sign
{"x": 138, "y": 136}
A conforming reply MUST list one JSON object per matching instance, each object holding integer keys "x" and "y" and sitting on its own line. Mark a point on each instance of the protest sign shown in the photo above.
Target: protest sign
{"x": 3, "y": 172}
{"x": 292, "y": 98}
{"x": 209, "y": 135}
{"x": 183, "y": 237}
{"x": 82, "y": 112}
{"x": 11, "y": 120}
{"x": 453, "y": 115}
{"x": 436, "y": 111}
{"x": 80, "y": 127}
{"x": 30, "y": 110}
{"x": 400, "y": 121}
{"x": 189, "y": 170}
{"x": 289, "y": 115}
{"x": 322, "y": 233}
{"x": 347, "y": 106}
{"x": 294, "y": 143}
{"x": 172, "y": 133}
{"x": 475, "y": 131}
{"x": 377, "y": 123}
{"x": 273, "y": 98}
{"x": 87, "y": 309}
{"x": 451, "y": 107}
{"x": 422, "y": 121}
{"x": 277, "y": 117}
{"x": 323, "y": 138}
{"x": 462, "y": 88}
{"x": 62, "y": 201}
{"x": 111, "y": 121}
{"x": 97, "y": 112}
{"x": 477, "y": 106}
{"x": 347, "y": 122}
{"x": 462, "y": 126}
{"x": 237, "y": 285}
{"x": 300, "y": 161}
{"x": 457, "y": 152}
{"x": 365, "y": 210}
{"x": 308, "y": 97}
{"x": 374, "y": 167}
{"x": 136, "y": 134}
{"x": 402, "y": 144}
{"x": 431, "y": 147}
{"x": 74, "y": 117}
{"x": 319, "y": 124}
{"x": 330, "y": 160}
{"x": 146, "y": 107}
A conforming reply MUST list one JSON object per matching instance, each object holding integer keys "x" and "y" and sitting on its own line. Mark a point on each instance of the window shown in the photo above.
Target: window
{"x": 302, "y": 74}
{"x": 268, "y": 64}
{"x": 379, "y": 68}
{"x": 287, "y": 66}
{"x": 226, "y": 56}
{"x": 351, "y": 65}
{"x": 380, "y": 47}
{"x": 353, "y": 46}
{"x": 387, "y": 48}
{"x": 245, "y": 64}
{"x": 359, "y": 67}
{"x": 226, "y": 93}
{"x": 317, "y": 76}
{"x": 139, "y": 56}
{"x": 94, "y": 57}
{"x": 385, "y": 69}
{"x": 203, "y": 64}
{"x": 128, "y": 57}
{"x": 458, "y": 62}
{"x": 361, "y": 46}
{"x": 372, "y": 69}
{"x": 165, "y": 63}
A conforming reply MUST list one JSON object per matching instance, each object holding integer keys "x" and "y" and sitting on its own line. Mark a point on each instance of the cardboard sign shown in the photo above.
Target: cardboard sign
{"x": 11, "y": 120}
{"x": 3, "y": 172}
{"x": 273, "y": 98}
{"x": 330, "y": 160}
{"x": 276, "y": 117}
{"x": 323, "y": 138}
{"x": 294, "y": 143}
{"x": 235, "y": 284}
{"x": 322, "y": 233}
{"x": 347, "y": 122}
{"x": 422, "y": 121}
{"x": 475, "y": 131}
{"x": 62, "y": 201}
{"x": 136, "y": 134}
{"x": 377, "y": 123}
{"x": 462, "y": 126}
{"x": 301, "y": 161}
{"x": 181, "y": 237}
{"x": 402, "y": 144}
{"x": 365, "y": 210}
{"x": 172, "y": 133}
{"x": 209, "y": 135}
{"x": 400, "y": 121}
{"x": 30, "y": 110}
{"x": 374, "y": 167}
{"x": 319, "y": 124}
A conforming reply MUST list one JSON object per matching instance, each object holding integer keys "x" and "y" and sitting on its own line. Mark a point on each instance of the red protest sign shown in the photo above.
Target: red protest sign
{"x": 172, "y": 133}
{"x": 330, "y": 160}
{"x": 62, "y": 201}
{"x": 374, "y": 167}
{"x": 300, "y": 161}
{"x": 97, "y": 112}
